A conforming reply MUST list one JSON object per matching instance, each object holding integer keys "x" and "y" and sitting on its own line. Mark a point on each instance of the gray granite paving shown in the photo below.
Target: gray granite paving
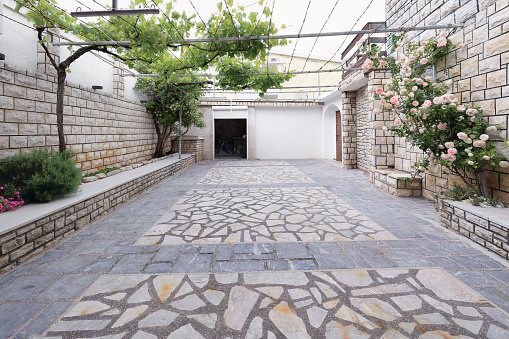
{"x": 261, "y": 249}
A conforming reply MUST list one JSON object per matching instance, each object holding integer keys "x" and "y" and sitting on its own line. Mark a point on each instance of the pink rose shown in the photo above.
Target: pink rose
{"x": 485, "y": 157}
{"x": 423, "y": 43}
{"x": 396, "y": 121}
{"x": 462, "y": 136}
{"x": 449, "y": 144}
{"x": 437, "y": 100}
{"x": 445, "y": 98}
{"x": 413, "y": 110}
{"x": 504, "y": 164}
{"x": 399, "y": 49}
{"x": 452, "y": 151}
{"x": 414, "y": 88}
{"x": 421, "y": 130}
{"x": 441, "y": 126}
{"x": 471, "y": 112}
{"x": 415, "y": 103}
{"x": 426, "y": 103}
{"x": 443, "y": 156}
{"x": 451, "y": 157}
{"x": 377, "y": 111}
{"x": 394, "y": 100}
{"x": 379, "y": 90}
{"x": 479, "y": 143}
{"x": 423, "y": 61}
{"x": 425, "y": 84}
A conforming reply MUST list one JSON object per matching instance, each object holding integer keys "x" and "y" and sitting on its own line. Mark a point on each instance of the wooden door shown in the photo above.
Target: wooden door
{"x": 339, "y": 139}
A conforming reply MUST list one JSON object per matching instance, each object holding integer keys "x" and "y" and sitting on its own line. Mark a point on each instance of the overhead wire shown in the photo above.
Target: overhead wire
{"x": 300, "y": 31}
{"x": 316, "y": 40}
{"x": 346, "y": 37}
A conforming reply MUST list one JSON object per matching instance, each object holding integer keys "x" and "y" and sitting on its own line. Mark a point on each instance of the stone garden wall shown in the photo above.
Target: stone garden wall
{"x": 23, "y": 240}
{"x": 479, "y": 70}
{"x": 487, "y": 226}
{"x": 104, "y": 130}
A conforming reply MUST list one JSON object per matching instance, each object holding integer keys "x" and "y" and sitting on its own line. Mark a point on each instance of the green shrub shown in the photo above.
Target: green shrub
{"x": 43, "y": 174}
{"x": 18, "y": 169}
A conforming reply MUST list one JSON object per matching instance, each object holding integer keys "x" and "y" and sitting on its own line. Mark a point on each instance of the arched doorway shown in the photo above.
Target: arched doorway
{"x": 329, "y": 132}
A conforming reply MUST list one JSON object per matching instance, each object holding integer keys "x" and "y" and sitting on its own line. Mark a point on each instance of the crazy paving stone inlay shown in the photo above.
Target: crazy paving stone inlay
{"x": 261, "y": 174}
{"x": 424, "y": 303}
{"x": 261, "y": 215}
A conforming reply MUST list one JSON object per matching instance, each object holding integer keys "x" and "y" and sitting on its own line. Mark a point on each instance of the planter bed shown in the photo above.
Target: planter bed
{"x": 487, "y": 226}
{"x": 31, "y": 229}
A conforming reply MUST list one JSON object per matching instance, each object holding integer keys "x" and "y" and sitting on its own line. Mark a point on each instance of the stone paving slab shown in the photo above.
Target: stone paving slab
{"x": 321, "y": 304}
{"x": 262, "y": 288}
{"x": 247, "y": 215}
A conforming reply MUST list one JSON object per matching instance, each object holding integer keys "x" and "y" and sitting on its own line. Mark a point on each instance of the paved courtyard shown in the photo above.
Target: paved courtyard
{"x": 261, "y": 249}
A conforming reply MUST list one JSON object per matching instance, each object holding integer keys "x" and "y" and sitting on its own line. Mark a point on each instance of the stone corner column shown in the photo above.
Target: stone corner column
{"x": 349, "y": 127}
{"x": 118, "y": 79}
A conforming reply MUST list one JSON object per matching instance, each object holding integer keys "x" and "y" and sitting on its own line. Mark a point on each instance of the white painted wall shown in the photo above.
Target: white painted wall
{"x": 17, "y": 42}
{"x": 89, "y": 70}
{"x": 288, "y": 133}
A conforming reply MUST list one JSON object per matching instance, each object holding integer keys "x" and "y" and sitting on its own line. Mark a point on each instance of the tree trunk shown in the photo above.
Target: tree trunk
{"x": 62, "y": 74}
{"x": 482, "y": 183}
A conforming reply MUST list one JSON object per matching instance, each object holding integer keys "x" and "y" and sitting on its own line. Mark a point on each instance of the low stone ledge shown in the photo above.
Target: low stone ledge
{"x": 487, "y": 226}
{"x": 396, "y": 182}
{"x": 28, "y": 231}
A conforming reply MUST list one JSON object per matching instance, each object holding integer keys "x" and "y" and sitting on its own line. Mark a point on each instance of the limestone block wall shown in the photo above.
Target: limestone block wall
{"x": 366, "y": 144}
{"x": 349, "y": 130}
{"x": 104, "y": 130}
{"x": 479, "y": 70}
{"x": 363, "y": 113}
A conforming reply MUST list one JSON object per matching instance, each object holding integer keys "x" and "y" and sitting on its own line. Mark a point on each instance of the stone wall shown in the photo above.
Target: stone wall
{"x": 103, "y": 130}
{"x": 191, "y": 145}
{"x": 349, "y": 130}
{"x": 479, "y": 70}
{"x": 29, "y": 239}
{"x": 487, "y": 226}
{"x": 363, "y": 113}
{"x": 366, "y": 145}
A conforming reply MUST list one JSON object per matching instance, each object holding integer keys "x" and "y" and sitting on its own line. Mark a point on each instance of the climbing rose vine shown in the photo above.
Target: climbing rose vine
{"x": 423, "y": 111}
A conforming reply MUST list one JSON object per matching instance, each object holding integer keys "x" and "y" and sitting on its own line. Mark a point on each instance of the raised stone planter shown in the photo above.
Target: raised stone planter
{"x": 487, "y": 226}
{"x": 28, "y": 231}
{"x": 396, "y": 182}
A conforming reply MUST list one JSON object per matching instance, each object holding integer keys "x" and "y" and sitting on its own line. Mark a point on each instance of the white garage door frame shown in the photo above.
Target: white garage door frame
{"x": 228, "y": 112}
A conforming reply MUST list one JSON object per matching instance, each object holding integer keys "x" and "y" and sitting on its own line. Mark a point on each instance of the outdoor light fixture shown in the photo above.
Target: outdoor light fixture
{"x": 2, "y": 56}
{"x": 97, "y": 87}
{"x": 143, "y": 101}
{"x": 114, "y": 11}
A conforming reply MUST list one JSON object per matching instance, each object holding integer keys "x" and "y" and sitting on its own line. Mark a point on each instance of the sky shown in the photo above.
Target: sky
{"x": 290, "y": 13}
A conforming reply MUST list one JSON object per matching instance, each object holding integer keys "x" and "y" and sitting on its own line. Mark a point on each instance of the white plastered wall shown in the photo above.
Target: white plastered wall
{"x": 288, "y": 133}
{"x": 19, "y": 44}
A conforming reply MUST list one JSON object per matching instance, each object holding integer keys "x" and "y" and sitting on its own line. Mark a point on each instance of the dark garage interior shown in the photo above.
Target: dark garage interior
{"x": 230, "y": 138}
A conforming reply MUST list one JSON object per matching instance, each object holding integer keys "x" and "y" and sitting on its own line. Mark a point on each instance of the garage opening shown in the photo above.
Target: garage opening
{"x": 230, "y": 138}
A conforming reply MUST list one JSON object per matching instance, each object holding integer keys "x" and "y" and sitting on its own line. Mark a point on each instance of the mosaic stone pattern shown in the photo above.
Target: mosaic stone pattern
{"x": 235, "y": 173}
{"x": 425, "y": 303}
{"x": 251, "y": 163}
{"x": 261, "y": 215}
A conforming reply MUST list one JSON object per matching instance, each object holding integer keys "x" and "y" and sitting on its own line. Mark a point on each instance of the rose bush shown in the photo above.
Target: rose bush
{"x": 424, "y": 111}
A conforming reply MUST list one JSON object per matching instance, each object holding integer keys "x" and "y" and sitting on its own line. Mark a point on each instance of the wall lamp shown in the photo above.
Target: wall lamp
{"x": 97, "y": 87}
{"x": 143, "y": 101}
{"x": 2, "y": 56}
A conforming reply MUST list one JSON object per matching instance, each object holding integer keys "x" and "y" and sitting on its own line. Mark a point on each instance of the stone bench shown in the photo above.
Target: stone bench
{"x": 33, "y": 228}
{"x": 397, "y": 182}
